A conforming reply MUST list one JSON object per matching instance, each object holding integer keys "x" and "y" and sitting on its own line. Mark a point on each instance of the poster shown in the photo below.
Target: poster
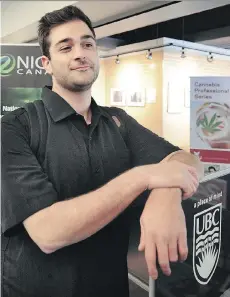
{"x": 22, "y": 76}
{"x": 117, "y": 97}
{"x": 135, "y": 97}
{"x": 210, "y": 121}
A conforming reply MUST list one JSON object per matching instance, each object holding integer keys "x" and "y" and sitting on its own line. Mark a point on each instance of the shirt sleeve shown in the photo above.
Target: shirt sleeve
{"x": 25, "y": 188}
{"x": 145, "y": 146}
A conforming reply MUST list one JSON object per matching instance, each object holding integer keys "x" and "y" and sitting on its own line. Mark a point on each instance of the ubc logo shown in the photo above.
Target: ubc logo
{"x": 8, "y": 64}
{"x": 206, "y": 243}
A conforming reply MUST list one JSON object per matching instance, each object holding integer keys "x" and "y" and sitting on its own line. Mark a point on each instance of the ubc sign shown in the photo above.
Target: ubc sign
{"x": 206, "y": 242}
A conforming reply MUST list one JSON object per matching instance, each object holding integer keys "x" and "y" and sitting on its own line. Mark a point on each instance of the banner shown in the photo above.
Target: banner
{"x": 22, "y": 75}
{"x": 210, "y": 121}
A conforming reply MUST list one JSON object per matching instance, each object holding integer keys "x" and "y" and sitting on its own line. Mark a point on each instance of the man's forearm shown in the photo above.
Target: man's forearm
{"x": 71, "y": 221}
{"x": 162, "y": 211}
{"x": 184, "y": 157}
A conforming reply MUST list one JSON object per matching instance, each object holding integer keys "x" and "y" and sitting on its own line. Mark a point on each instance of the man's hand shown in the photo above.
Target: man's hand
{"x": 163, "y": 230}
{"x": 171, "y": 174}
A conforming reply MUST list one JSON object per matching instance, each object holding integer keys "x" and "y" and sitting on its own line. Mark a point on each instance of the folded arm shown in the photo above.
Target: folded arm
{"x": 166, "y": 239}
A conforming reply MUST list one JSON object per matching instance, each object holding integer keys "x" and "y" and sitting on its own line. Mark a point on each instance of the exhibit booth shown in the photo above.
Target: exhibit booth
{"x": 181, "y": 91}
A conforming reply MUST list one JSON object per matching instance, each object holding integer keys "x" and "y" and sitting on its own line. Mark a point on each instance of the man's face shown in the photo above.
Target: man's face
{"x": 74, "y": 62}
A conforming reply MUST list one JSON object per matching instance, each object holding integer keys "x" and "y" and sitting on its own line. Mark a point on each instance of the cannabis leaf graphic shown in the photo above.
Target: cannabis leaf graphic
{"x": 209, "y": 127}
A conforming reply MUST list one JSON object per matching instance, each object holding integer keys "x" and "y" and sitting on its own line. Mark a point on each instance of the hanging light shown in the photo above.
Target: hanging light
{"x": 117, "y": 61}
{"x": 210, "y": 57}
{"x": 183, "y": 55}
{"x": 149, "y": 55}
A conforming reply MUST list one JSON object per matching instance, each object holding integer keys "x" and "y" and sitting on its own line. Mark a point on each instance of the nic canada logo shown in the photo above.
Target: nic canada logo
{"x": 206, "y": 243}
{"x": 27, "y": 65}
{"x": 8, "y": 63}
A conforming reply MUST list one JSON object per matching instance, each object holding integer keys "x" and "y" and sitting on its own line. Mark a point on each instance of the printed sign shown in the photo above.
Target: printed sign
{"x": 206, "y": 242}
{"x": 210, "y": 119}
{"x": 22, "y": 76}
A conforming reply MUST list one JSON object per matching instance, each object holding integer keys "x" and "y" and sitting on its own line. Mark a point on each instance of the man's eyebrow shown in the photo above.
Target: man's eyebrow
{"x": 87, "y": 36}
{"x": 67, "y": 39}
{"x": 63, "y": 41}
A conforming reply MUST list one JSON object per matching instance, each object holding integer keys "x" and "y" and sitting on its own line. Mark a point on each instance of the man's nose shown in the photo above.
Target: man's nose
{"x": 78, "y": 52}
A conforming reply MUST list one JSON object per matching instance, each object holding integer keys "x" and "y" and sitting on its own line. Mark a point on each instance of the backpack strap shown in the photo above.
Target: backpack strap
{"x": 117, "y": 117}
{"x": 38, "y": 128}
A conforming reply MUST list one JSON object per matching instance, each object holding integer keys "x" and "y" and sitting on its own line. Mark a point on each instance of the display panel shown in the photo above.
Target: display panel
{"x": 206, "y": 272}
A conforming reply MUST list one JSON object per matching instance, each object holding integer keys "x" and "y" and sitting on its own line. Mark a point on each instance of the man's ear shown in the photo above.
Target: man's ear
{"x": 47, "y": 65}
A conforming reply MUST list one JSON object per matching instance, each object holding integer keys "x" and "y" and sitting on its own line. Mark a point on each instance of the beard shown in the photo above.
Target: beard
{"x": 78, "y": 81}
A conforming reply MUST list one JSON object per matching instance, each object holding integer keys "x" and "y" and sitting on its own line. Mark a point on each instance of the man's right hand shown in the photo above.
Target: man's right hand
{"x": 171, "y": 174}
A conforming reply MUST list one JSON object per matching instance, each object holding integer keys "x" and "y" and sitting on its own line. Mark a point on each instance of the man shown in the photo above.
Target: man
{"x": 65, "y": 212}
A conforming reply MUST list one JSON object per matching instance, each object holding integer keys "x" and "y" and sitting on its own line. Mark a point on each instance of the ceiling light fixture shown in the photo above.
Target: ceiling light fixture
{"x": 149, "y": 55}
{"x": 210, "y": 57}
{"x": 117, "y": 61}
{"x": 183, "y": 55}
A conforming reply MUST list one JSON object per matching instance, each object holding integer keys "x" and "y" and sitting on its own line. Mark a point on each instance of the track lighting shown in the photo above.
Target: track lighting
{"x": 183, "y": 55}
{"x": 149, "y": 55}
{"x": 210, "y": 57}
{"x": 117, "y": 61}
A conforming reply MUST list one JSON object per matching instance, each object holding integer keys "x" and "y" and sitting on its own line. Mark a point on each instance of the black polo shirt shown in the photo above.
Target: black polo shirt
{"x": 78, "y": 159}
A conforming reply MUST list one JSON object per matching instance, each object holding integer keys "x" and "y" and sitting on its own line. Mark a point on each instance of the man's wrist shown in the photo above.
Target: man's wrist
{"x": 168, "y": 193}
{"x": 140, "y": 177}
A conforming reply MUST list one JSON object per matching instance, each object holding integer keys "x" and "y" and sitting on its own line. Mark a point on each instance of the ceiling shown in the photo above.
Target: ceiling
{"x": 126, "y": 22}
{"x": 210, "y": 27}
{"x": 100, "y": 12}
{"x": 116, "y": 10}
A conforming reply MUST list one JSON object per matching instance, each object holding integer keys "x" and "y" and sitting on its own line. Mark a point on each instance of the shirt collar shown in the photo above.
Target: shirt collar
{"x": 59, "y": 109}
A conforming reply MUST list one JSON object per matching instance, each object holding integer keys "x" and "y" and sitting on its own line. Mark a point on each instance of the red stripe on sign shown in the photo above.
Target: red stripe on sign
{"x": 212, "y": 156}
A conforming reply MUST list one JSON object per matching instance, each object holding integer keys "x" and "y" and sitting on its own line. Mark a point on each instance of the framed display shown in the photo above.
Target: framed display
{"x": 117, "y": 97}
{"x": 136, "y": 98}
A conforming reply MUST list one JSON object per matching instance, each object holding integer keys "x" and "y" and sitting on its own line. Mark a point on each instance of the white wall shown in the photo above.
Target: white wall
{"x": 176, "y": 126}
{"x": 99, "y": 87}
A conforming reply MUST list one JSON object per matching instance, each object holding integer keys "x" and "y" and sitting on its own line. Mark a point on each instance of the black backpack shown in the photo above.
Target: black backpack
{"x": 39, "y": 126}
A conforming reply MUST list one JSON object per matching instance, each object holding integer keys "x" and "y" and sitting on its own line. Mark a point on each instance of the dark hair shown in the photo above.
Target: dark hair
{"x": 58, "y": 17}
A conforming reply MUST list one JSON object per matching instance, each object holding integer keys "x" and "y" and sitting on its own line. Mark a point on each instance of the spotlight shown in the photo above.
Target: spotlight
{"x": 183, "y": 53}
{"x": 149, "y": 55}
{"x": 210, "y": 57}
{"x": 117, "y": 61}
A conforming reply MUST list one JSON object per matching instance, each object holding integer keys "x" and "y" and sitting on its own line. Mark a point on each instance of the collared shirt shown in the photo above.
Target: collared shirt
{"x": 78, "y": 159}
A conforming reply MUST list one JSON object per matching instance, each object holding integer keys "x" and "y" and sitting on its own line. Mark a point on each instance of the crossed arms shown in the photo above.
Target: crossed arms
{"x": 68, "y": 222}
{"x": 59, "y": 224}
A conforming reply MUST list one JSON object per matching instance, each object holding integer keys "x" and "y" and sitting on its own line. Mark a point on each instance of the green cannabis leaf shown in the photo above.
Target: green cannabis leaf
{"x": 209, "y": 127}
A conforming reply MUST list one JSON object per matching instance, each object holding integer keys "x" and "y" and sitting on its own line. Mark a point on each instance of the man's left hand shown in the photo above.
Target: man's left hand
{"x": 163, "y": 230}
